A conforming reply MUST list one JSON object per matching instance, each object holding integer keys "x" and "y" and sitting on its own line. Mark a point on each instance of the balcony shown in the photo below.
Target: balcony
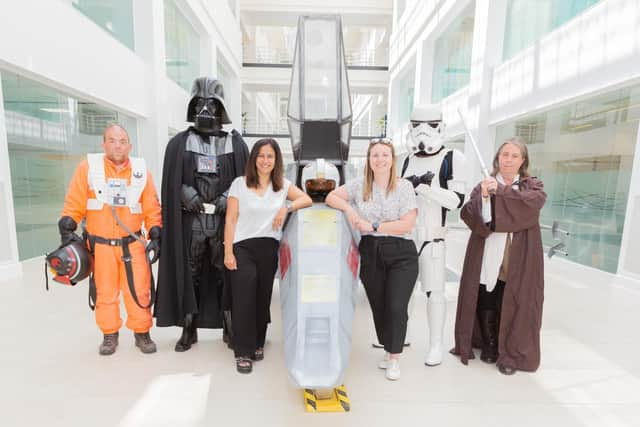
{"x": 357, "y": 59}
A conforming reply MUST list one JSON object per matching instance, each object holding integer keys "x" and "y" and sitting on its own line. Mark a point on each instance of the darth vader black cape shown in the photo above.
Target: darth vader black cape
{"x": 176, "y": 295}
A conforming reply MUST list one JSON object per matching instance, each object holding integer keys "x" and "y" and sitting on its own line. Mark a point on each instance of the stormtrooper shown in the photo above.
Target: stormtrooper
{"x": 200, "y": 164}
{"x": 437, "y": 174}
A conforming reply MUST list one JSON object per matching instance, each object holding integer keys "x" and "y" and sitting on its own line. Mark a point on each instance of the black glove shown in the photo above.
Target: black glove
{"x": 414, "y": 180}
{"x": 427, "y": 178}
{"x": 191, "y": 202}
{"x": 66, "y": 227}
{"x": 154, "y": 244}
{"x": 221, "y": 205}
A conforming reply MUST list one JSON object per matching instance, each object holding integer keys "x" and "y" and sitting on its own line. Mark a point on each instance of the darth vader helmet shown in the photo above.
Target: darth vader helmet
{"x": 206, "y": 108}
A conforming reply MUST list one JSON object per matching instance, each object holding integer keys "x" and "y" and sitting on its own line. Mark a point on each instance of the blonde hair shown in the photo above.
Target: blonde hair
{"x": 368, "y": 172}
{"x": 521, "y": 143}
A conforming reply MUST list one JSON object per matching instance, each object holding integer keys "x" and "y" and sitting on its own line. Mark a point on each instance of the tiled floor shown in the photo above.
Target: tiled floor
{"x": 52, "y": 375}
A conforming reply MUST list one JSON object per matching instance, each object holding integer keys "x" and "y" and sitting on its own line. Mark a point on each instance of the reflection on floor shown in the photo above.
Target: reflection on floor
{"x": 52, "y": 374}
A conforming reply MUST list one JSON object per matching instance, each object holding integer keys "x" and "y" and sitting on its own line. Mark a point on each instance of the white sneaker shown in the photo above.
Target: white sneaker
{"x": 383, "y": 363}
{"x": 393, "y": 369}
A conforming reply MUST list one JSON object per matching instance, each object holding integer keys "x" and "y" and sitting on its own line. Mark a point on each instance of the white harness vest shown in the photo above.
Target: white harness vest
{"x": 98, "y": 183}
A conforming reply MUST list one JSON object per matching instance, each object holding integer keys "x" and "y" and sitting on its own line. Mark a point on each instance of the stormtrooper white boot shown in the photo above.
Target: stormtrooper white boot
{"x": 436, "y": 314}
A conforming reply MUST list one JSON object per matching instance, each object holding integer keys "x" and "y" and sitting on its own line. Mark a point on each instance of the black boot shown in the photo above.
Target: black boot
{"x": 189, "y": 334}
{"x": 489, "y": 328}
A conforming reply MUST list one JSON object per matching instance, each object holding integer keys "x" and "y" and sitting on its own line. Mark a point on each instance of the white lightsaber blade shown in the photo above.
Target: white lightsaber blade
{"x": 485, "y": 171}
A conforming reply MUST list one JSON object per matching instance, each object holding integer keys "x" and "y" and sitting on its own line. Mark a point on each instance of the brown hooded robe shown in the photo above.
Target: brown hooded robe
{"x": 516, "y": 212}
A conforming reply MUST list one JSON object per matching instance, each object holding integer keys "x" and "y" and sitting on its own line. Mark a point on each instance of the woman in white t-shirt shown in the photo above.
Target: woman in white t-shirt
{"x": 256, "y": 209}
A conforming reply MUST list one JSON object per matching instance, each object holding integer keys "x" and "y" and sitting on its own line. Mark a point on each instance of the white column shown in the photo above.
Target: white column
{"x": 9, "y": 265}
{"x": 149, "y": 39}
{"x": 425, "y": 59}
{"x": 209, "y": 55}
{"x": 486, "y": 53}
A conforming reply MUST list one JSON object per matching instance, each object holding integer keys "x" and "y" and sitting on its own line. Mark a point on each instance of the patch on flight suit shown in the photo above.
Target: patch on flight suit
{"x": 117, "y": 191}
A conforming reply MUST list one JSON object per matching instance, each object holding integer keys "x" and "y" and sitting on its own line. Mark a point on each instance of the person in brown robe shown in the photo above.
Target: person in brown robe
{"x": 511, "y": 337}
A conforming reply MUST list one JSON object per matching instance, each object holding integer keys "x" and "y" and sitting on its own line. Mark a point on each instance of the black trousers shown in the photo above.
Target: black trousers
{"x": 491, "y": 301}
{"x": 252, "y": 286}
{"x": 388, "y": 270}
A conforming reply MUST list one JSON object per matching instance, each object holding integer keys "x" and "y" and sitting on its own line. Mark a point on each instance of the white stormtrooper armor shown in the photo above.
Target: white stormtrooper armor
{"x": 438, "y": 176}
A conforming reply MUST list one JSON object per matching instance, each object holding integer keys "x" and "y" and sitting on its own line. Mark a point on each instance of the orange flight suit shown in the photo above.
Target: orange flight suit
{"x": 109, "y": 269}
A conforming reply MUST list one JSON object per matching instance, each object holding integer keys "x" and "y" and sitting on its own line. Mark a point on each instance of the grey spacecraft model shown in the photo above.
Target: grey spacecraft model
{"x": 319, "y": 252}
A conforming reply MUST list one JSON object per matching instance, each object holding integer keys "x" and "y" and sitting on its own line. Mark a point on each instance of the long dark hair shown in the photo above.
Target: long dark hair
{"x": 251, "y": 171}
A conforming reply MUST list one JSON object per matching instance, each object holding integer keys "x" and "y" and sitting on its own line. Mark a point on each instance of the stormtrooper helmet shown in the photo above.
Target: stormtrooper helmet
{"x": 426, "y": 130}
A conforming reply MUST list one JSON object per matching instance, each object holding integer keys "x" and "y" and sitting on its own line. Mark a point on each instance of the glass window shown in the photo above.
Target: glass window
{"x": 452, "y": 57}
{"x": 182, "y": 45}
{"x": 48, "y": 134}
{"x": 369, "y": 114}
{"x": 584, "y": 153}
{"x": 264, "y": 113}
{"x": 403, "y": 90}
{"x": 366, "y": 45}
{"x": 115, "y": 16}
{"x": 527, "y": 21}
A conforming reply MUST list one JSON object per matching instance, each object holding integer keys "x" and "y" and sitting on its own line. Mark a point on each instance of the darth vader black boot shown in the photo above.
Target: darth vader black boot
{"x": 189, "y": 334}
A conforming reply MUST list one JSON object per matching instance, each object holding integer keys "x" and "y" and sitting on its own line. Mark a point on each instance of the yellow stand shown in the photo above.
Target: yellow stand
{"x": 335, "y": 400}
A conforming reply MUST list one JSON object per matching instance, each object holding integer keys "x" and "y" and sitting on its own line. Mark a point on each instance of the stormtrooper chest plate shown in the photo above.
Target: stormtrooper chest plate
{"x": 420, "y": 165}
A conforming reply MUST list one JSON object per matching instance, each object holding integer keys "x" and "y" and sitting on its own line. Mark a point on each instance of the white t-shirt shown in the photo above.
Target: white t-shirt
{"x": 256, "y": 213}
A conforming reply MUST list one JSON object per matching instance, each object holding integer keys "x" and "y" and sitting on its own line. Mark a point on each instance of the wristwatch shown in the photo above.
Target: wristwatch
{"x": 375, "y": 226}
{"x": 289, "y": 206}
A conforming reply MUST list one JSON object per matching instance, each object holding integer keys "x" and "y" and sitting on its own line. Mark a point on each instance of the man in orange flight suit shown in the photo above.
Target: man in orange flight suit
{"x": 102, "y": 183}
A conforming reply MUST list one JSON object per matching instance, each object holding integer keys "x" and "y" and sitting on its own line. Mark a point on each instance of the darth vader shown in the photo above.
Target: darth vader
{"x": 199, "y": 165}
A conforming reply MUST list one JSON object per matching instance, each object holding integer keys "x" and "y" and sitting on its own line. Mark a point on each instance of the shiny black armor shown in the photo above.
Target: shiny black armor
{"x": 204, "y": 161}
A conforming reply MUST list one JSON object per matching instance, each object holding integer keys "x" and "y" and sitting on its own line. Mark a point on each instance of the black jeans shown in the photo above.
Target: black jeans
{"x": 388, "y": 270}
{"x": 252, "y": 286}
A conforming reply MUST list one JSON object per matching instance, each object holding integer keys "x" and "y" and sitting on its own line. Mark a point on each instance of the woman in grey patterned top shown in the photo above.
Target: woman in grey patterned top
{"x": 383, "y": 208}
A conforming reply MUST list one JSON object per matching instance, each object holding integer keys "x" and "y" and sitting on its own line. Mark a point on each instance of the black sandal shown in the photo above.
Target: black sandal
{"x": 259, "y": 354}
{"x": 244, "y": 365}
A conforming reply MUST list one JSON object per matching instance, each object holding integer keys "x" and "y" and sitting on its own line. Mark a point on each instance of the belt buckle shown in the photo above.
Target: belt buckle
{"x": 113, "y": 242}
{"x": 209, "y": 208}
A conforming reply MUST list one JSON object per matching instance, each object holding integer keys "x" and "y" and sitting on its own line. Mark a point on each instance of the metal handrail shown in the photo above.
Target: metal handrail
{"x": 353, "y": 57}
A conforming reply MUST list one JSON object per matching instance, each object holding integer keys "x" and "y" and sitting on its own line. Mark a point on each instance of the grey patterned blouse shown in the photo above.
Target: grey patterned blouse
{"x": 380, "y": 208}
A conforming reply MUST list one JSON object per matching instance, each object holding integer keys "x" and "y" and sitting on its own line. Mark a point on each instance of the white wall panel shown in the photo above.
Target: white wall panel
{"x": 56, "y": 44}
{"x": 593, "y": 52}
